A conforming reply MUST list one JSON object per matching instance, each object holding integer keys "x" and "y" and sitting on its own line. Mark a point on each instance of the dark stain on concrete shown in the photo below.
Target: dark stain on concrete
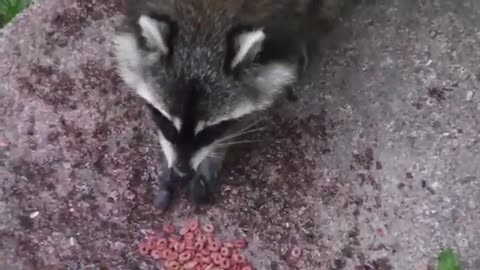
{"x": 418, "y": 105}
{"x": 103, "y": 81}
{"x": 102, "y": 131}
{"x": 60, "y": 93}
{"x": 33, "y": 172}
{"x": 317, "y": 125}
{"x": 329, "y": 191}
{"x": 26, "y": 222}
{"x": 348, "y": 251}
{"x": 381, "y": 264}
{"x": 368, "y": 179}
{"x": 364, "y": 160}
{"x": 68, "y": 24}
{"x": 438, "y": 93}
{"x": 339, "y": 264}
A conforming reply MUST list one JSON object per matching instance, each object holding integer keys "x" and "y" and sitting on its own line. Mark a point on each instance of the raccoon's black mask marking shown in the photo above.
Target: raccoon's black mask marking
{"x": 188, "y": 111}
{"x": 203, "y": 65}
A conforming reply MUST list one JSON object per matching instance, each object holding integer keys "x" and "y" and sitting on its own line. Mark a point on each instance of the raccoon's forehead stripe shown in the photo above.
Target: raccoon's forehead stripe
{"x": 177, "y": 123}
{"x": 150, "y": 29}
{"x": 168, "y": 150}
{"x": 200, "y": 126}
{"x": 130, "y": 69}
{"x": 145, "y": 92}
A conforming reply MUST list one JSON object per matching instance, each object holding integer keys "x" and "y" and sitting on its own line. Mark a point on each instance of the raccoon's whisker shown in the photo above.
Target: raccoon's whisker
{"x": 235, "y": 135}
{"x": 214, "y": 156}
{"x": 249, "y": 126}
{"x": 253, "y": 124}
{"x": 236, "y": 142}
{"x": 245, "y": 130}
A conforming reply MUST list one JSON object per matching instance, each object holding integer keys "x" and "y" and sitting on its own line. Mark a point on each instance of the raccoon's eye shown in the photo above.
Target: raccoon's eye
{"x": 211, "y": 133}
{"x": 166, "y": 126}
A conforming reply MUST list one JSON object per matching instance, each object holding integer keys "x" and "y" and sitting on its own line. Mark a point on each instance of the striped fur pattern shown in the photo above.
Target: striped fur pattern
{"x": 204, "y": 65}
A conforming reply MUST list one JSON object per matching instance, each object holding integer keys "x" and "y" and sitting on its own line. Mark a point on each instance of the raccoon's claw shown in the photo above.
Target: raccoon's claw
{"x": 205, "y": 183}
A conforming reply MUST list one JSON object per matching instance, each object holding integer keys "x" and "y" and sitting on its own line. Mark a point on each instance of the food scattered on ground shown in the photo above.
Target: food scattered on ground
{"x": 194, "y": 247}
{"x": 295, "y": 253}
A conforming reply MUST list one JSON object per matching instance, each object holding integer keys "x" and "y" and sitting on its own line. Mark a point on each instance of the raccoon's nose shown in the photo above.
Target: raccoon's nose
{"x": 182, "y": 171}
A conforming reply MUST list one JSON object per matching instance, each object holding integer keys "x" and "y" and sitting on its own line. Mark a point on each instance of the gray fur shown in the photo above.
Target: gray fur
{"x": 175, "y": 52}
{"x": 199, "y": 50}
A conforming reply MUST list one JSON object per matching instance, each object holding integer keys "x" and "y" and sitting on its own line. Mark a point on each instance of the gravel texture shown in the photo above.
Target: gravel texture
{"x": 375, "y": 167}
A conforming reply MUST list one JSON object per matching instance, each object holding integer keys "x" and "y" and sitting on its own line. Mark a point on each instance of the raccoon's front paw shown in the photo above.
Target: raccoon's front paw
{"x": 291, "y": 95}
{"x": 163, "y": 199}
{"x": 205, "y": 183}
{"x": 165, "y": 195}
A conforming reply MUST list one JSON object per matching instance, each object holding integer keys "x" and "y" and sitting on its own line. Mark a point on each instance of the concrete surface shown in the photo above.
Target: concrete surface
{"x": 376, "y": 167}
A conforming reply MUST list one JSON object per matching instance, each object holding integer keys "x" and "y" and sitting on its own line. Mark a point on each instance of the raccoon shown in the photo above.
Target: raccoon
{"x": 204, "y": 67}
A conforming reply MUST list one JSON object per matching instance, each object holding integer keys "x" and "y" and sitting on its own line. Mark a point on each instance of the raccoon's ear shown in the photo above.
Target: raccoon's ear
{"x": 243, "y": 45}
{"x": 154, "y": 33}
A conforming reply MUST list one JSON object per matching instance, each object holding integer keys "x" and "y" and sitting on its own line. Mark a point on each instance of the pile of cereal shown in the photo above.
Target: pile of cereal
{"x": 194, "y": 247}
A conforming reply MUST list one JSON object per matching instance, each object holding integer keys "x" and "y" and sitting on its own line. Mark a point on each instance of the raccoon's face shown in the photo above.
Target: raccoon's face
{"x": 197, "y": 87}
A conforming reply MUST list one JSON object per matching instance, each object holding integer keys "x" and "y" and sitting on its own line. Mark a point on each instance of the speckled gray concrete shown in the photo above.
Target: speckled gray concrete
{"x": 376, "y": 167}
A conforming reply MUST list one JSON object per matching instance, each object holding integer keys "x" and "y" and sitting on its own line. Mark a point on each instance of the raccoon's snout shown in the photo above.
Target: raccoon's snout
{"x": 182, "y": 171}
{"x": 202, "y": 183}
